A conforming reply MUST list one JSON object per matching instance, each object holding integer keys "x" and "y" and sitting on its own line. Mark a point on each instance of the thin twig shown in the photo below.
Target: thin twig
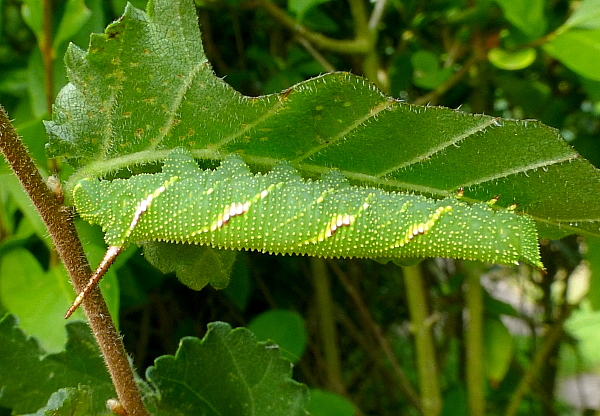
{"x": 355, "y": 46}
{"x": 377, "y": 14}
{"x": 384, "y": 344}
{"x": 371, "y": 62}
{"x": 59, "y": 222}
{"x": 327, "y": 66}
{"x": 432, "y": 96}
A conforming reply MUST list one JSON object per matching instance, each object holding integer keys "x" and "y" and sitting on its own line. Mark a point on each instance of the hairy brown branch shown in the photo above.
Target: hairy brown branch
{"x": 59, "y": 222}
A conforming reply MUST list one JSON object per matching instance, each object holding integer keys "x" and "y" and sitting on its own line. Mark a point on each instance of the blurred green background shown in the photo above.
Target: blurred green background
{"x": 514, "y": 59}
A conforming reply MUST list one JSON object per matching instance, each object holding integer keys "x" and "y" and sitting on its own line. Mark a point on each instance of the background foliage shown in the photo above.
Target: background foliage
{"x": 345, "y": 324}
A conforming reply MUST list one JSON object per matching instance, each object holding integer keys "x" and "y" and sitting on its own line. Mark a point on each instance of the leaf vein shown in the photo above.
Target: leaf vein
{"x": 176, "y": 103}
{"x": 359, "y": 122}
{"x": 248, "y": 126}
{"x": 522, "y": 169}
{"x": 439, "y": 147}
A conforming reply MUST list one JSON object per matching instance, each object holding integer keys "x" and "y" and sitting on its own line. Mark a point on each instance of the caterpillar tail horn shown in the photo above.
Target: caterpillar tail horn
{"x": 109, "y": 258}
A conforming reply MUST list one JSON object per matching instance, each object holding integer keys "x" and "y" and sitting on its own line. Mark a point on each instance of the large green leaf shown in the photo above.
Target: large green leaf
{"x": 585, "y": 16}
{"x": 578, "y": 49}
{"x": 577, "y": 42}
{"x": 67, "y": 402}
{"x": 145, "y": 86}
{"x": 25, "y": 286}
{"x": 29, "y": 376}
{"x": 227, "y": 373}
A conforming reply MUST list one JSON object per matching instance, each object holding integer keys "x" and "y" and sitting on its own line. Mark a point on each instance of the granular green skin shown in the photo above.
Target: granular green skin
{"x": 282, "y": 213}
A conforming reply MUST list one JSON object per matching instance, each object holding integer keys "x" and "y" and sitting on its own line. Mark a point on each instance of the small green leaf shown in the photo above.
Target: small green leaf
{"x": 67, "y": 402}
{"x": 497, "y": 307}
{"x": 578, "y": 49}
{"x": 285, "y": 328}
{"x": 402, "y": 262}
{"x": 526, "y": 15}
{"x": 426, "y": 70}
{"x": 584, "y": 326}
{"x": 75, "y": 15}
{"x": 35, "y": 84}
{"x": 512, "y": 61}
{"x": 326, "y": 403}
{"x": 32, "y": 11}
{"x": 11, "y": 184}
{"x": 227, "y": 373}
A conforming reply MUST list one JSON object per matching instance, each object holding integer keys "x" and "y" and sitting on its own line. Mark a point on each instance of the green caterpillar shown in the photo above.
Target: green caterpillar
{"x": 282, "y": 213}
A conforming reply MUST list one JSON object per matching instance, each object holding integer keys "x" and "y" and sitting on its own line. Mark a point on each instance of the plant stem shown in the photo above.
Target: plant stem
{"x": 360, "y": 19}
{"x": 59, "y": 222}
{"x": 371, "y": 65}
{"x": 474, "y": 347}
{"x": 328, "y": 330}
{"x": 431, "y": 398}
{"x": 359, "y": 45}
{"x": 364, "y": 42}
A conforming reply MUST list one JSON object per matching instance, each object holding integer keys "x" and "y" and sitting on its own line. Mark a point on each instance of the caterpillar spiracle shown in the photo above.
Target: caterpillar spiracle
{"x": 282, "y": 213}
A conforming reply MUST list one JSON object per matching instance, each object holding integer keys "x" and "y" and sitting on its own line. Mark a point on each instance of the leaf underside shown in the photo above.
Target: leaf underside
{"x": 145, "y": 87}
